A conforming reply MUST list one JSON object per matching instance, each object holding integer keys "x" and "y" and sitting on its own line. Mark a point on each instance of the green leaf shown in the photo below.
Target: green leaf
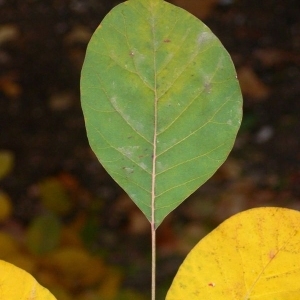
{"x": 252, "y": 255}
{"x": 161, "y": 102}
{"x": 43, "y": 234}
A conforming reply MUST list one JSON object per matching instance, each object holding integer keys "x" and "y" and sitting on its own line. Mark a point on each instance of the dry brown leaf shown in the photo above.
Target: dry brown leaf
{"x": 76, "y": 56}
{"x": 231, "y": 169}
{"x": 8, "y": 32}
{"x": 76, "y": 267}
{"x": 61, "y": 101}
{"x": 236, "y": 198}
{"x": 189, "y": 236}
{"x": 6, "y": 206}
{"x": 137, "y": 222}
{"x": 271, "y": 57}
{"x": 251, "y": 85}
{"x": 199, "y": 8}
{"x": 79, "y": 34}
{"x": 70, "y": 238}
{"x": 167, "y": 240}
{"x": 9, "y": 87}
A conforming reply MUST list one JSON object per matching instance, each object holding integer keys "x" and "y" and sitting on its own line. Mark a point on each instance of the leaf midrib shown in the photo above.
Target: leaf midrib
{"x": 154, "y": 155}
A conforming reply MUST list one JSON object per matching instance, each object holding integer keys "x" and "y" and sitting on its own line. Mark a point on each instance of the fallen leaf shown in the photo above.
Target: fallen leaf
{"x": 251, "y": 85}
{"x": 201, "y": 9}
{"x": 271, "y": 57}
{"x": 8, "y": 32}
{"x": 61, "y": 293}
{"x": 61, "y": 101}
{"x": 110, "y": 286}
{"x": 230, "y": 170}
{"x": 8, "y": 247}
{"x": 6, "y": 163}
{"x": 43, "y": 234}
{"x": 54, "y": 196}
{"x": 24, "y": 261}
{"x": 78, "y": 34}
{"x": 76, "y": 267}
{"x": 135, "y": 223}
{"x": 9, "y": 86}
{"x": 5, "y": 206}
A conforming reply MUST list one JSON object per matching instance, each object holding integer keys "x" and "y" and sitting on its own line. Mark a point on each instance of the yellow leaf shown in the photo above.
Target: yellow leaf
{"x": 16, "y": 284}
{"x": 252, "y": 255}
{"x": 24, "y": 261}
{"x": 110, "y": 286}
{"x": 6, "y": 163}
{"x": 60, "y": 293}
{"x": 5, "y": 206}
{"x": 8, "y": 246}
{"x": 76, "y": 267}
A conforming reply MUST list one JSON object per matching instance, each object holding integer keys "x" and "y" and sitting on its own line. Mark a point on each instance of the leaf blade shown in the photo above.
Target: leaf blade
{"x": 16, "y": 284}
{"x": 151, "y": 94}
{"x": 249, "y": 256}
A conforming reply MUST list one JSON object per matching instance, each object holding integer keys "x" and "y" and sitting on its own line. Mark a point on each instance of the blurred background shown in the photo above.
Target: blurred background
{"x": 62, "y": 218}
